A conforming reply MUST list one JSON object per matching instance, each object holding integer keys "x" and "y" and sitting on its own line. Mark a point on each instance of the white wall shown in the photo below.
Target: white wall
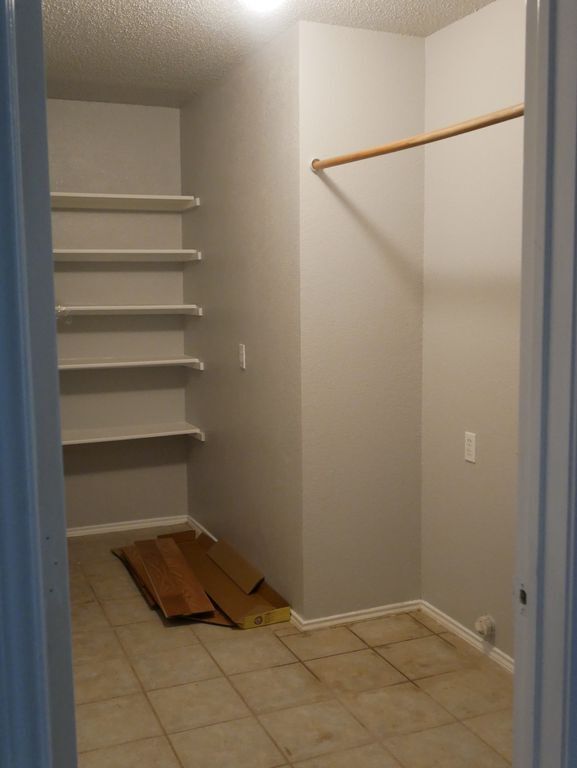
{"x": 473, "y": 190}
{"x": 117, "y": 148}
{"x": 240, "y": 154}
{"x": 361, "y": 319}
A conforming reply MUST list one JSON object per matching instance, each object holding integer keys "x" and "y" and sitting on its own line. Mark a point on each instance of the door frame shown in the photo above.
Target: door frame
{"x": 37, "y": 726}
{"x": 546, "y": 598}
{"x": 35, "y": 667}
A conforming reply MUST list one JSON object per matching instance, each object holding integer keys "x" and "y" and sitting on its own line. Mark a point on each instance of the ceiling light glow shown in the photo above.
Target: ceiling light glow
{"x": 262, "y": 6}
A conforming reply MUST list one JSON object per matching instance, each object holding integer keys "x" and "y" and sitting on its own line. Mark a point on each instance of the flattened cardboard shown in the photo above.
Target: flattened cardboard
{"x": 243, "y": 573}
{"x": 262, "y": 607}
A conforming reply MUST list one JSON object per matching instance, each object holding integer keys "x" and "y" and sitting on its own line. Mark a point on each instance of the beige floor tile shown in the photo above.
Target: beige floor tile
{"x": 396, "y": 710}
{"x": 389, "y": 629}
{"x": 358, "y": 671}
{"x": 150, "y": 637}
{"x": 371, "y": 756}
{"x": 127, "y": 611}
{"x": 176, "y": 666}
{"x": 105, "y": 680}
{"x": 114, "y": 587}
{"x": 87, "y": 616}
{"x": 197, "y": 704}
{"x": 95, "y": 645}
{"x": 424, "y": 657}
{"x": 92, "y": 548}
{"x": 432, "y": 624}
{"x": 108, "y": 566}
{"x": 496, "y": 729}
{"x": 472, "y": 692}
{"x": 314, "y": 729}
{"x": 240, "y": 743}
{"x": 213, "y": 633}
{"x": 80, "y": 590}
{"x": 474, "y": 657}
{"x": 115, "y": 721}
{"x": 149, "y": 753}
{"x": 279, "y": 688}
{"x": 209, "y": 634}
{"x": 247, "y": 651}
{"x": 323, "y": 642}
{"x": 451, "y": 746}
{"x": 284, "y": 629}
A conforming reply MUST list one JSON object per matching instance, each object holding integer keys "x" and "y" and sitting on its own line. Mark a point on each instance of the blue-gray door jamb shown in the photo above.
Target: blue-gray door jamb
{"x": 36, "y": 700}
{"x": 546, "y": 644}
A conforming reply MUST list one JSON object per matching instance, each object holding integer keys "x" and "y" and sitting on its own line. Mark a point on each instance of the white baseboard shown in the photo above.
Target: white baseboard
{"x": 466, "y": 634}
{"x": 347, "y": 618}
{"x": 452, "y": 625}
{"x": 127, "y": 525}
{"x": 199, "y": 527}
{"x": 496, "y": 655}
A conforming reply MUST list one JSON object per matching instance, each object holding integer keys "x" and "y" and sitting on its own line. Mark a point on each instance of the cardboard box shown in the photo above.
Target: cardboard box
{"x": 220, "y": 570}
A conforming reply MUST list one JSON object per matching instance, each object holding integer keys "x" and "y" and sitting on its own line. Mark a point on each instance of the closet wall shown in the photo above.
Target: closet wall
{"x": 314, "y": 453}
{"x": 322, "y": 280}
{"x": 114, "y": 148}
{"x": 240, "y": 149}
{"x": 472, "y": 318}
{"x": 361, "y": 247}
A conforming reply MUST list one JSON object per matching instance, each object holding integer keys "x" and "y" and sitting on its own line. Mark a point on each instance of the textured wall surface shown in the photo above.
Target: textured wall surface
{"x": 97, "y": 147}
{"x": 361, "y": 318}
{"x": 240, "y": 154}
{"x": 162, "y": 52}
{"x": 472, "y": 316}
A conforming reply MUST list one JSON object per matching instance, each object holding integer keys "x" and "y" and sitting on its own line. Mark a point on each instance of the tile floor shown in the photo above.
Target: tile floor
{"x": 395, "y": 692}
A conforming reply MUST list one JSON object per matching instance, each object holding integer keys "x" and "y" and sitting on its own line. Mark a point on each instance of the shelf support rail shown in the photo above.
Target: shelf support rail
{"x": 476, "y": 123}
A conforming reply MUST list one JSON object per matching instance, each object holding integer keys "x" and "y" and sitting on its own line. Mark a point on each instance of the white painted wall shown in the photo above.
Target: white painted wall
{"x": 361, "y": 319}
{"x": 117, "y": 148}
{"x": 240, "y": 154}
{"x": 473, "y": 190}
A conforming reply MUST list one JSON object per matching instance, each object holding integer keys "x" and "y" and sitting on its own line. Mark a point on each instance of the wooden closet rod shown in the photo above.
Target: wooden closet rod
{"x": 424, "y": 138}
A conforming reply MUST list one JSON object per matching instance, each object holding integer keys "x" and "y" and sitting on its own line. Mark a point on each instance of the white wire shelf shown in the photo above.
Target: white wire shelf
{"x": 68, "y": 310}
{"x": 81, "y": 256}
{"x": 138, "y": 432}
{"x": 71, "y": 201}
{"x": 103, "y": 363}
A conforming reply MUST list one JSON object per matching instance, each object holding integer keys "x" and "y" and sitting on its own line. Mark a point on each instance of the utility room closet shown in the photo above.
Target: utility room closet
{"x": 287, "y": 259}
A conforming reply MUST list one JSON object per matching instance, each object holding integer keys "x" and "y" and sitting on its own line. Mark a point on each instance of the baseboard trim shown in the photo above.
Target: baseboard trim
{"x": 127, "y": 525}
{"x": 466, "y": 634}
{"x": 470, "y": 637}
{"x": 199, "y": 527}
{"x": 347, "y": 618}
{"x": 498, "y": 656}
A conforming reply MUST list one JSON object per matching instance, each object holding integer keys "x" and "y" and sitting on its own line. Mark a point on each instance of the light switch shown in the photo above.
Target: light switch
{"x": 242, "y": 356}
{"x": 471, "y": 447}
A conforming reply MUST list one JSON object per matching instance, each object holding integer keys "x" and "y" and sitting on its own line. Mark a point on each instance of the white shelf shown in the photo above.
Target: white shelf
{"x": 71, "y": 201}
{"x": 119, "y": 434}
{"x": 100, "y": 363}
{"x": 128, "y": 309}
{"x": 63, "y": 255}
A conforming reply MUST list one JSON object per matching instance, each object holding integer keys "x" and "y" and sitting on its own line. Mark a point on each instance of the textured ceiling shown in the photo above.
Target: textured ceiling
{"x": 164, "y": 51}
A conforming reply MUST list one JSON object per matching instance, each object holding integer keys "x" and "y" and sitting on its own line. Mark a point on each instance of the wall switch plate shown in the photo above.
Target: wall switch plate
{"x": 471, "y": 447}
{"x": 242, "y": 356}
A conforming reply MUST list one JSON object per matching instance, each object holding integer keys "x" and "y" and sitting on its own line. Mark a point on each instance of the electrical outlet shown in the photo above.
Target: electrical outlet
{"x": 471, "y": 447}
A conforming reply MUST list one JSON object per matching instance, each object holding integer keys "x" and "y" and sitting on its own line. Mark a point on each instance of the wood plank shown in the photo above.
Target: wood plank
{"x": 166, "y": 590}
{"x": 137, "y": 567}
{"x": 184, "y": 576}
{"x": 122, "y": 556}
